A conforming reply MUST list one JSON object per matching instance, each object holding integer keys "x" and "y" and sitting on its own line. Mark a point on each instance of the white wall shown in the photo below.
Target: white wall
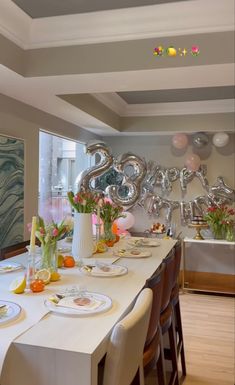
{"x": 21, "y": 121}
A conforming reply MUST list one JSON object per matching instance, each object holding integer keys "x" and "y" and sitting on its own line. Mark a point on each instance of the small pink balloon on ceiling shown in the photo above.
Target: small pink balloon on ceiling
{"x": 193, "y": 162}
{"x": 220, "y": 139}
{"x": 180, "y": 141}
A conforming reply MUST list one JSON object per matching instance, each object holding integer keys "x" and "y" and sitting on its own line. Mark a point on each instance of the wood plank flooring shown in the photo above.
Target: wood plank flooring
{"x": 209, "y": 330}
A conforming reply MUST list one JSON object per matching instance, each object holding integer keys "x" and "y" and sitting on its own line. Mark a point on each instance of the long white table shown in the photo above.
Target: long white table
{"x": 63, "y": 350}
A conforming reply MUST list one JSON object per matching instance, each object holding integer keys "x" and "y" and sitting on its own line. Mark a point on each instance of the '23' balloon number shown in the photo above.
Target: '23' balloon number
{"x": 132, "y": 183}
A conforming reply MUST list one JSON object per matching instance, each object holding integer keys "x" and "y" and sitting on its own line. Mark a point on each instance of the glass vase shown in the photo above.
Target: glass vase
{"x": 109, "y": 236}
{"x": 230, "y": 236}
{"x": 218, "y": 231}
{"x": 49, "y": 256}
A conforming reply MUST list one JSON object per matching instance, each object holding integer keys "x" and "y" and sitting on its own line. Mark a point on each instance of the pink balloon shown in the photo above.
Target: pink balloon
{"x": 180, "y": 141}
{"x": 127, "y": 222}
{"x": 193, "y": 162}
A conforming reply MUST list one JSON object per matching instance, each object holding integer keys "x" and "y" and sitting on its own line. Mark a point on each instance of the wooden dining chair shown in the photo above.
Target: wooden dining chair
{"x": 175, "y": 300}
{"x": 13, "y": 250}
{"x": 167, "y": 322}
{"x": 153, "y": 353}
{"x": 124, "y": 356}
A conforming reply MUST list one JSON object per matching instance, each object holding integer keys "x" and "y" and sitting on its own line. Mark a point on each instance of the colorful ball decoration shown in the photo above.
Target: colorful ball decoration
{"x": 220, "y": 139}
{"x": 127, "y": 222}
{"x": 193, "y": 162}
{"x": 180, "y": 141}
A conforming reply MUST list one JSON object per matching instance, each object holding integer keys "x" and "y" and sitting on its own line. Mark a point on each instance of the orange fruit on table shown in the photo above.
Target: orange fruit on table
{"x": 37, "y": 285}
{"x": 117, "y": 238}
{"x": 69, "y": 261}
{"x": 110, "y": 243}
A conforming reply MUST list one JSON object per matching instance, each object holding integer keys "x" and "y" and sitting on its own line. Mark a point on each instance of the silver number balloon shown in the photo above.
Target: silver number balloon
{"x": 83, "y": 181}
{"x": 131, "y": 182}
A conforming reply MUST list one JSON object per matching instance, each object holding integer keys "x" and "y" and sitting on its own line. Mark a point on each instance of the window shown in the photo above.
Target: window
{"x": 60, "y": 162}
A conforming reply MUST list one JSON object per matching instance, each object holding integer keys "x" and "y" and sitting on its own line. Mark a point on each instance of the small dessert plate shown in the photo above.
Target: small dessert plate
{"x": 8, "y": 267}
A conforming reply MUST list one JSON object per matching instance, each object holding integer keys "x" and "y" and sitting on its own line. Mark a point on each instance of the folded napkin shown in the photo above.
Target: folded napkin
{"x": 107, "y": 270}
{"x": 81, "y": 303}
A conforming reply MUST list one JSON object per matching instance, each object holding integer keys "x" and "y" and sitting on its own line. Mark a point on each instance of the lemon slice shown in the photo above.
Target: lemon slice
{"x": 18, "y": 285}
{"x": 101, "y": 247}
{"x": 44, "y": 275}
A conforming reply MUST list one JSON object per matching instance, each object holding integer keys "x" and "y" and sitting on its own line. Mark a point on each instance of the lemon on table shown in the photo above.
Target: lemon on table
{"x": 60, "y": 260}
{"x": 55, "y": 276}
{"x": 94, "y": 248}
{"x": 18, "y": 285}
{"x": 44, "y": 275}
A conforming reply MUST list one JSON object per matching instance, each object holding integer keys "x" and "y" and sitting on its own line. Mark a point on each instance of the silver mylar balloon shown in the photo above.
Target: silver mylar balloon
{"x": 170, "y": 206}
{"x": 199, "y": 203}
{"x": 156, "y": 205}
{"x": 185, "y": 177}
{"x": 200, "y": 139}
{"x": 221, "y": 193}
{"x": 201, "y": 174}
{"x": 132, "y": 182}
{"x": 83, "y": 180}
{"x": 186, "y": 212}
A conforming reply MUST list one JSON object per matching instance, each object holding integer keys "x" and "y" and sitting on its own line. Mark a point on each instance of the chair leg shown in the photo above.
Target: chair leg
{"x": 181, "y": 339}
{"x": 141, "y": 374}
{"x": 174, "y": 380}
{"x": 161, "y": 373}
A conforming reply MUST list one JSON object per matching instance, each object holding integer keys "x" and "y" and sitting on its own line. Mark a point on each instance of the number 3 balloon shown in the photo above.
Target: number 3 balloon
{"x": 132, "y": 182}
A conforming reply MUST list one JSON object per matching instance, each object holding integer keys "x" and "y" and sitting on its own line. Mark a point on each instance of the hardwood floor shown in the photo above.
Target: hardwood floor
{"x": 209, "y": 329}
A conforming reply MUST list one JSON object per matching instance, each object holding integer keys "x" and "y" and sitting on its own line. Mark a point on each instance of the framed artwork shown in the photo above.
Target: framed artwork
{"x": 11, "y": 191}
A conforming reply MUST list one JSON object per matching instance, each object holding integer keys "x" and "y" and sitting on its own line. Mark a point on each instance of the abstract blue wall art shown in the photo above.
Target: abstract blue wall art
{"x": 11, "y": 191}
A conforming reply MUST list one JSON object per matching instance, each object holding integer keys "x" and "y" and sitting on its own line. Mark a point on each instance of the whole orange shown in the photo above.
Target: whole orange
{"x": 37, "y": 285}
{"x": 69, "y": 261}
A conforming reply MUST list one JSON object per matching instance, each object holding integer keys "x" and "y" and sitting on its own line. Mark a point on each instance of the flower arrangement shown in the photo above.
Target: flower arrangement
{"x": 219, "y": 219}
{"x": 109, "y": 211}
{"x": 83, "y": 202}
{"x": 50, "y": 233}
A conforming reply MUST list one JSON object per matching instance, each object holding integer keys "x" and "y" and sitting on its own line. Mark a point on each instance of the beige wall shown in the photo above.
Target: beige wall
{"x": 21, "y": 121}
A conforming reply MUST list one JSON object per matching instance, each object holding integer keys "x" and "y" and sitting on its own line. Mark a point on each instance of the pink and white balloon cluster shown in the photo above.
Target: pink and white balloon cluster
{"x": 199, "y": 140}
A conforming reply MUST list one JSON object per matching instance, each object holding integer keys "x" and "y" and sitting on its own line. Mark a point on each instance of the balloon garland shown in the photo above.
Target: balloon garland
{"x": 141, "y": 179}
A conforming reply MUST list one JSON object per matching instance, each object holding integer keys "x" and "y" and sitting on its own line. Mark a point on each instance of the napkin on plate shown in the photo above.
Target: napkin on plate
{"x": 82, "y": 303}
{"x": 107, "y": 270}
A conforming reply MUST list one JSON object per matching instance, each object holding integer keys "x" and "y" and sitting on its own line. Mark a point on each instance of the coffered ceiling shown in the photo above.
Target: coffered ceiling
{"x": 92, "y": 63}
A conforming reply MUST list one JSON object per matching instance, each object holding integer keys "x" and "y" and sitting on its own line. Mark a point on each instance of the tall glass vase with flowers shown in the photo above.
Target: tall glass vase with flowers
{"x": 219, "y": 218}
{"x": 109, "y": 212}
{"x": 84, "y": 204}
{"x": 48, "y": 235}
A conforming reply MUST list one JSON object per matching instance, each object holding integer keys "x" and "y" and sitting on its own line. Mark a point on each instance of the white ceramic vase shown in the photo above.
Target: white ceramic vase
{"x": 82, "y": 244}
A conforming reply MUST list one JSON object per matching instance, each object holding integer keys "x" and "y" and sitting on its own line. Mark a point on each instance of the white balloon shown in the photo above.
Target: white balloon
{"x": 127, "y": 222}
{"x": 220, "y": 139}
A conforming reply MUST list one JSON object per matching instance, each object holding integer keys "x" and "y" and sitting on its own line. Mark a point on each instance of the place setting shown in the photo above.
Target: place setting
{"x": 132, "y": 252}
{"x": 8, "y": 267}
{"x": 77, "y": 301}
{"x": 143, "y": 242}
{"x": 9, "y": 311}
{"x": 103, "y": 270}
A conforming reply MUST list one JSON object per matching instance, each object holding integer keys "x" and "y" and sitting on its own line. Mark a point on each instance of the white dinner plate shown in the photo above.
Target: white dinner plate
{"x": 13, "y": 311}
{"x": 7, "y": 267}
{"x": 132, "y": 253}
{"x": 106, "y": 271}
{"x": 144, "y": 242}
{"x": 105, "y": 304}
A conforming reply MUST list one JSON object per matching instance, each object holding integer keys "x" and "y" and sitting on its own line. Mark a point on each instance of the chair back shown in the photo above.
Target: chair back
{"x": 12, "y": 251}
{"x": 125, "y": 350}
{"x": 178, "y": 249}
{"x": 155, "y": 283}
{"x": 169, "y": 263}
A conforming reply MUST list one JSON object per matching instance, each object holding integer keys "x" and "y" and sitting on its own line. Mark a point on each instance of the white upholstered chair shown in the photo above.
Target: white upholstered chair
{"x": 125, "y": 351}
